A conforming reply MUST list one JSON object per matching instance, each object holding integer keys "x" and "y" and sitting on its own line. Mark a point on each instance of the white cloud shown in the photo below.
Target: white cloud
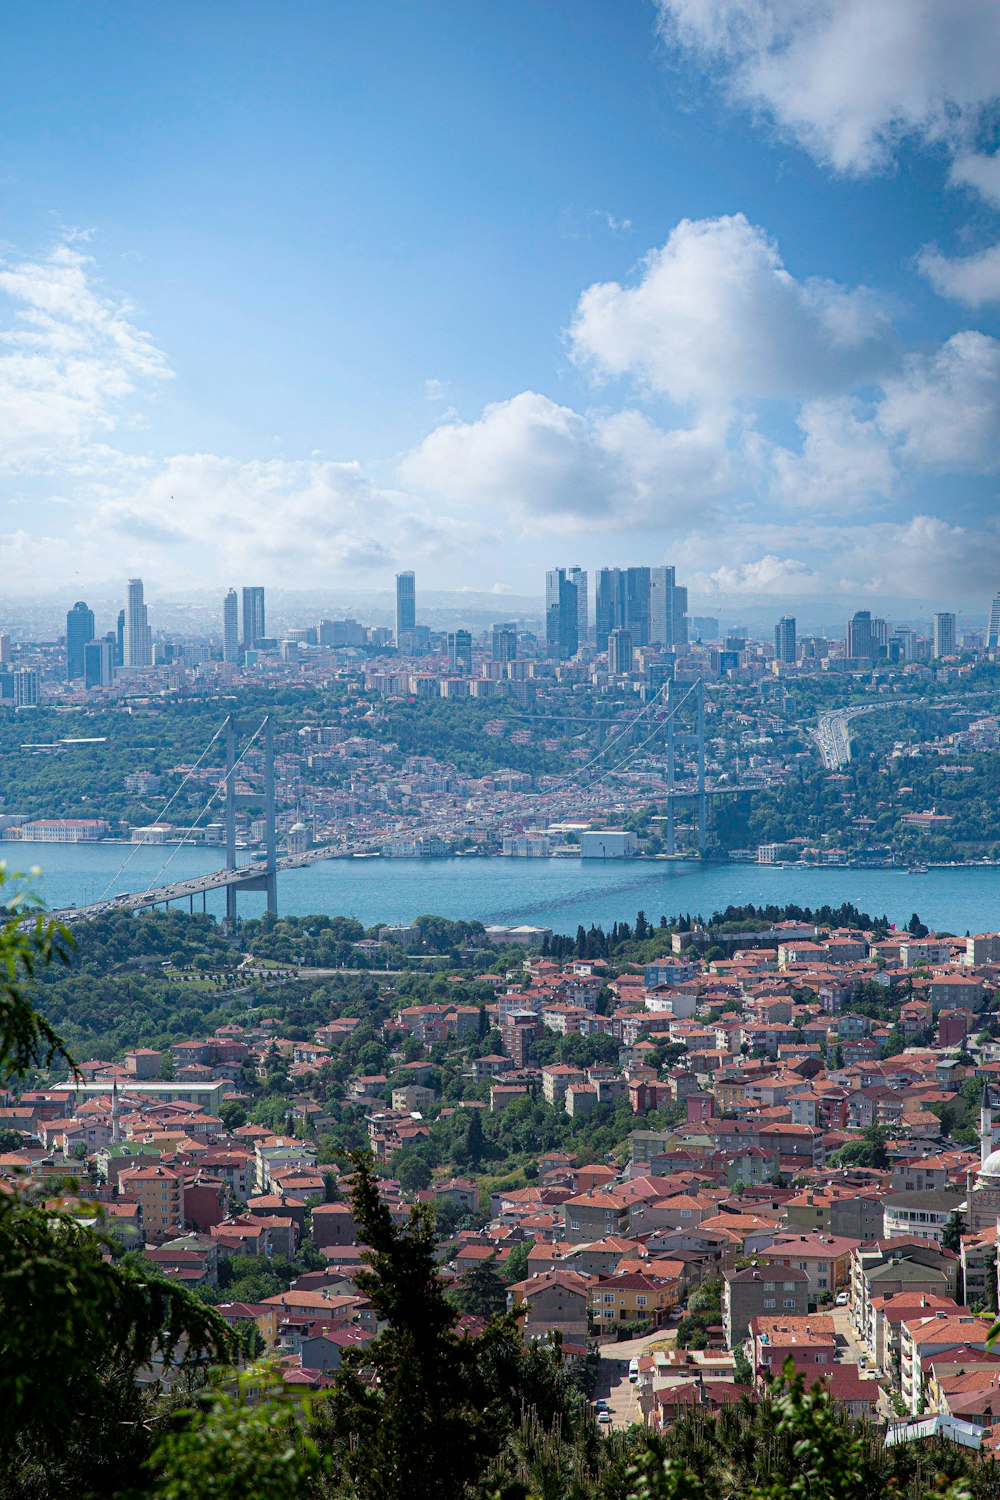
{"x": 548, "y": 467}
{"x": 973, "y": 279}
{"x": 616, "y": 226}
{"x": 922, "y": 558}
{"x": 715, "y": 317}
{"x": 944, "y": 407}
{"x": 981, "y": 172}
{"x": 70, "y": 356}
{"x": 850, "y": 79}
{"x": 845, "y": 460}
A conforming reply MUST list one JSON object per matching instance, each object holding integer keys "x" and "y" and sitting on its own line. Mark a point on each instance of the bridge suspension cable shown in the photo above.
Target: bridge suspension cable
{"x": 218, "y": 792}
{"x": 116, "y": 877}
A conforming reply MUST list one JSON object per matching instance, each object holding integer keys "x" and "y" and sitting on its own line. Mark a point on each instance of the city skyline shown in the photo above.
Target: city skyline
{"x": 757, "y": 341}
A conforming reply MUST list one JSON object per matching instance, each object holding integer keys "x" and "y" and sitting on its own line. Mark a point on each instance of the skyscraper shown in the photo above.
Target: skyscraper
{"x": 668, "y": 623}
{"x": 231, "y": 627}
{"x": 120, "y": 639}
{"x": 945, "y": 634}
{"x": 254, "y": 623}
{"x": 138, "y": 639}
{"x": 637, "y": 583}
{"x": 619, "y": 653}
{"x": 99, "y": 663}
{"x": 578, "y": 577}
{"x": 505, "y": 641}
{"x": 79, "y": 630}
{"x": 26, "y": 687}
{"x": 561, "y": 615}
{"x": 993, "y": 630}
{"x": 860, "y": 636}
{"x": 609, "y": 604}
{"x": 406, "y": 604}
{"x": 784, "y": 639}
{"x": 460, "y": 651}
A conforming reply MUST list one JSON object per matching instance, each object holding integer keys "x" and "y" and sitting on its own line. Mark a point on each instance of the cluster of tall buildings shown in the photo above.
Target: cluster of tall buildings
{"x": 640, "y": 606}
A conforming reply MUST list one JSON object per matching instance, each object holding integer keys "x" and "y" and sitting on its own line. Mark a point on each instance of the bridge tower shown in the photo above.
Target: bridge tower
{"x": 257, "y": 879}
{"x": 693, "y": 734}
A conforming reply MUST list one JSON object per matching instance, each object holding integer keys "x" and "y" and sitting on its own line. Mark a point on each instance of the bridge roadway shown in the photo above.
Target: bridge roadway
{"x": 254, "y": 870}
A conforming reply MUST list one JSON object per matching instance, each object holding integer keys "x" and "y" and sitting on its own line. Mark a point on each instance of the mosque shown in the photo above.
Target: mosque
{"x": 983, "y": 1203}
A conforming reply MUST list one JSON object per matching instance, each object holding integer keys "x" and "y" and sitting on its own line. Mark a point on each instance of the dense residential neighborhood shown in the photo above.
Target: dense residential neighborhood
{"x": 774, "y": 1141}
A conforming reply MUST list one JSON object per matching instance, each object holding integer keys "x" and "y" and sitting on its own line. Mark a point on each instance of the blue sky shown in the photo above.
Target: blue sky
{"x": 304, "y": 293}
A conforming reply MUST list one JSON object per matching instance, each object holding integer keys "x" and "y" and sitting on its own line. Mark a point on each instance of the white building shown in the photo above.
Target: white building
{"x": 608, "y": 843}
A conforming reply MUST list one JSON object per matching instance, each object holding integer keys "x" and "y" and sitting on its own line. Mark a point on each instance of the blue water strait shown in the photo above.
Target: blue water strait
{"x": 556, "y": 893}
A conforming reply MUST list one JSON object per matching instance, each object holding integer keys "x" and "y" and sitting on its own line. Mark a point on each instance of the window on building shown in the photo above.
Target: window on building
{"x": 788, "y": 1286}
{"x": 640, "y": 1301}
{"x": 789, "y": 1303}
{"x": 769, "y": 1286}
{"x": 769, "y": 1302}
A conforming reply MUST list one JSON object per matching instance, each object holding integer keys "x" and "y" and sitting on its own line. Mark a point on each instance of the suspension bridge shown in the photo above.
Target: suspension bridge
{"x": 676, "y": 713}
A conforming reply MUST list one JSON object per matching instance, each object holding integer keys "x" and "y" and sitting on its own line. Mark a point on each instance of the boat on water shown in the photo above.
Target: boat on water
{"x": 918, "y": 870}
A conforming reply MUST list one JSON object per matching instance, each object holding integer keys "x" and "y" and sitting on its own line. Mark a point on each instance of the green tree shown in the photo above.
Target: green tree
{"x": 72, "y": 1323}
{"x": 481, "y": 1291}
{"x": 951, "y": 1235}
{"x": 423, "y": 1427}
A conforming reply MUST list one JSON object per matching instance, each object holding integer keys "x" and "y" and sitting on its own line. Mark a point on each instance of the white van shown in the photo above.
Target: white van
{"x": 633, "y": 1370}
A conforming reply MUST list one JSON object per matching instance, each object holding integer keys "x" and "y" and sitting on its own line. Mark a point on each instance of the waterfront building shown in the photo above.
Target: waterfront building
{"x": 137, "y": 642}
{"x": 406, "y": 605}
{"x": 945, "y": 634}
{"x": 254, "y": 618}
{"x": 79, "y": 630}
{"x": 230, "y": 627}
{"x": 562, "y": 637}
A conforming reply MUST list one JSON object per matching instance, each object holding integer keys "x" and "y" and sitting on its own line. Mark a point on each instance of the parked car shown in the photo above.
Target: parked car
{"x": 604, "y": 1419}
{"x": 601, "y": 1405}
{"x": 842, "y": 1299}
{"x": 633, "y": 1370}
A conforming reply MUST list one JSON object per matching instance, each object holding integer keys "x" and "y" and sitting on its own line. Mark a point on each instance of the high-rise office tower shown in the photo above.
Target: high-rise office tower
{"x": 860, "y": 636}
{"x": 993, "y": 629}
{"x": 5, "y": 651}
{"x": 505, "y": 642}
{"x": 460, "y": 651}
{"x": 945, "y": 634}
{"x": 138, "y": 639}
{"x": 609, "y": 604}
{"x": 906, "y": 640}
{"x": 79, "y": 630}
{"x": 578, "y": 577}
{"x": 120, "y": 639}
{"x": 619, "y": 653}
{"x": 561, "y": 615}
{"x": 26, "y": 687}
{"x": 784, "y": 639}
{"x": 668, "y": 624}
{"x": 406, "y": 604}
{"x": 254, "y": 622}
{"x": 231, "y": 627}
{"x": 637, "y": 582}
{"x": 99, "y": 663}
